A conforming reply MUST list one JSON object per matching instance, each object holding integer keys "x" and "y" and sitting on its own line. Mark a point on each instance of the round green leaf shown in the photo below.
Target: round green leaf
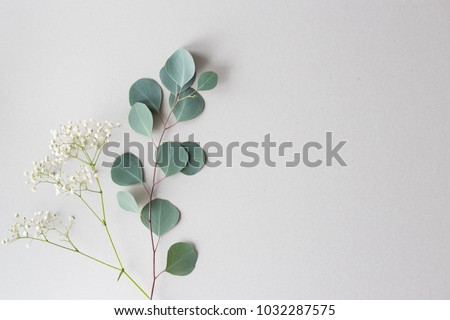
{"x": 189, "y": 106}
{"x": 171, "y": 85}
{"x": 127, "y": 170}
{"x": 167, "y": 81}
{"x": 127, "y": 201}
{"x": 141, "y": 119}
{"x": 207, "y": 81}
{"x": 196, "y": 160}
{"x": 181, "y": 259}
{"x": 147, "y": 91}
{"x": 164, "y": 216}
{"x": 180, "y": 67}
{"x": 172, "y": 157}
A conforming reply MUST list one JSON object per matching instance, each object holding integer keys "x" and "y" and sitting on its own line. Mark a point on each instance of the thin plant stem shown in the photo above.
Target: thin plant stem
{"x": 72, "y": 250}
{"x": 90, "y": 208}
{"x": 151, "y": 193}
{"x": 105, "y": 223}
{"x": 134, "y": 282}
{"x": 75, "y": 250}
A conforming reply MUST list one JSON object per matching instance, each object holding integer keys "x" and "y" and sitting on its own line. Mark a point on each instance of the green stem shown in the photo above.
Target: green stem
{"x": 112, "y": 245}
{"x": 92, "y": 258}
{"x": 105, "y": 223}
{"x": 99, "y": 261}
{"x": 72, "y": 250}
{"x": 137, "y": 286}
{"x": 90, "y": 208}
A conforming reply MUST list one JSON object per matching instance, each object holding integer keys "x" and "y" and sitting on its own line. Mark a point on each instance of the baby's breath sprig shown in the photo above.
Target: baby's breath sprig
{"x": 80, "y": 142}
{"x": 42, "y": 226}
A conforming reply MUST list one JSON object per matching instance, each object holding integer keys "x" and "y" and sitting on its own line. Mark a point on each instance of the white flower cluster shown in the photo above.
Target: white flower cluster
{"x": 38, "y": 227}
{"x": 82, "y": 141}
{"x": 82, "y": 136}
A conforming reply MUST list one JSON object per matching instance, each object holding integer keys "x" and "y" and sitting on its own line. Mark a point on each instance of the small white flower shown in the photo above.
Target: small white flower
{"x": 71, "y": 218}
{"x": 71, "y": 140}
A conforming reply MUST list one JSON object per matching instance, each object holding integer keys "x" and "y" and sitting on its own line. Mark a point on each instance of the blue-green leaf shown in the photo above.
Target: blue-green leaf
{"x": 167, "y": 81}
{"x": 181, "y": 259}
{"x": 180, "y": 67}
{"x": 164, "y": 216}
{"x": 196, "y": 160}
{"x": 172, "y": 157}
{"x": 127, "y": 201}
{"x": 171, "y": 85}
{"x": 141, "y": 119}
{"x": 189, "y": 105}
{"x": 147, "y": 91}
{"x": 207, "y": 81}
{"x": 127, "y": 170}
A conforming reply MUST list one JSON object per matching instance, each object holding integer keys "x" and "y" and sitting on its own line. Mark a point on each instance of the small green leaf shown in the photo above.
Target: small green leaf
{"x": 120, "y": 274}
{"x": 207, "y": 81}
{"x": 164, "y": 216}
{"x": 141, "y": 119}
{"x": 181, "y": 259}
{"x": 127, "y": 170}
{"x": 172, "y": 157}
{"x": 180, "y": 67}
{"x": 171, "y": 85}
{"x": 196, "y": 160}
{"x": 127, "y": 201}
{"x": 189, "y": 105}
{"x": 147, "y": 91}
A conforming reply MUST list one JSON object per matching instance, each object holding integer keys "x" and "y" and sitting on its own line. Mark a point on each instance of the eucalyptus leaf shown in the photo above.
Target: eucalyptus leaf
{"x": 180, "y": 67}
{"x": 127, "y": 201}
{"x": 207, "y": 81}
{"x": 171, "y": 85}
{"x": 181, "y": 259}
{"x": 172, "y": 157}
{"x": 127, "y": 170}
{"x": 147, "y": 91}
{"x": 189, "y": 105}
{"x": 196, "y": 160}
{"x": 141, "y": 119}
{"x": 164, "y": 216}
{"x": 168, "y": 82}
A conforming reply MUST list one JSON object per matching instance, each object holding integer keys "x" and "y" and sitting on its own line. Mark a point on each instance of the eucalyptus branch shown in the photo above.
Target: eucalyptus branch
{"x": 151, "y": 192}
{"x": 185, "y": 103}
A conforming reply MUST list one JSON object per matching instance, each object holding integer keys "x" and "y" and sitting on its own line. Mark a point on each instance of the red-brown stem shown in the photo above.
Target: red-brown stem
{"x": 154, "y": 183}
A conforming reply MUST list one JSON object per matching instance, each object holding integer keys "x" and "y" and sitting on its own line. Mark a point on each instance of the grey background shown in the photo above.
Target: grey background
{"x": 375, "y": 73}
